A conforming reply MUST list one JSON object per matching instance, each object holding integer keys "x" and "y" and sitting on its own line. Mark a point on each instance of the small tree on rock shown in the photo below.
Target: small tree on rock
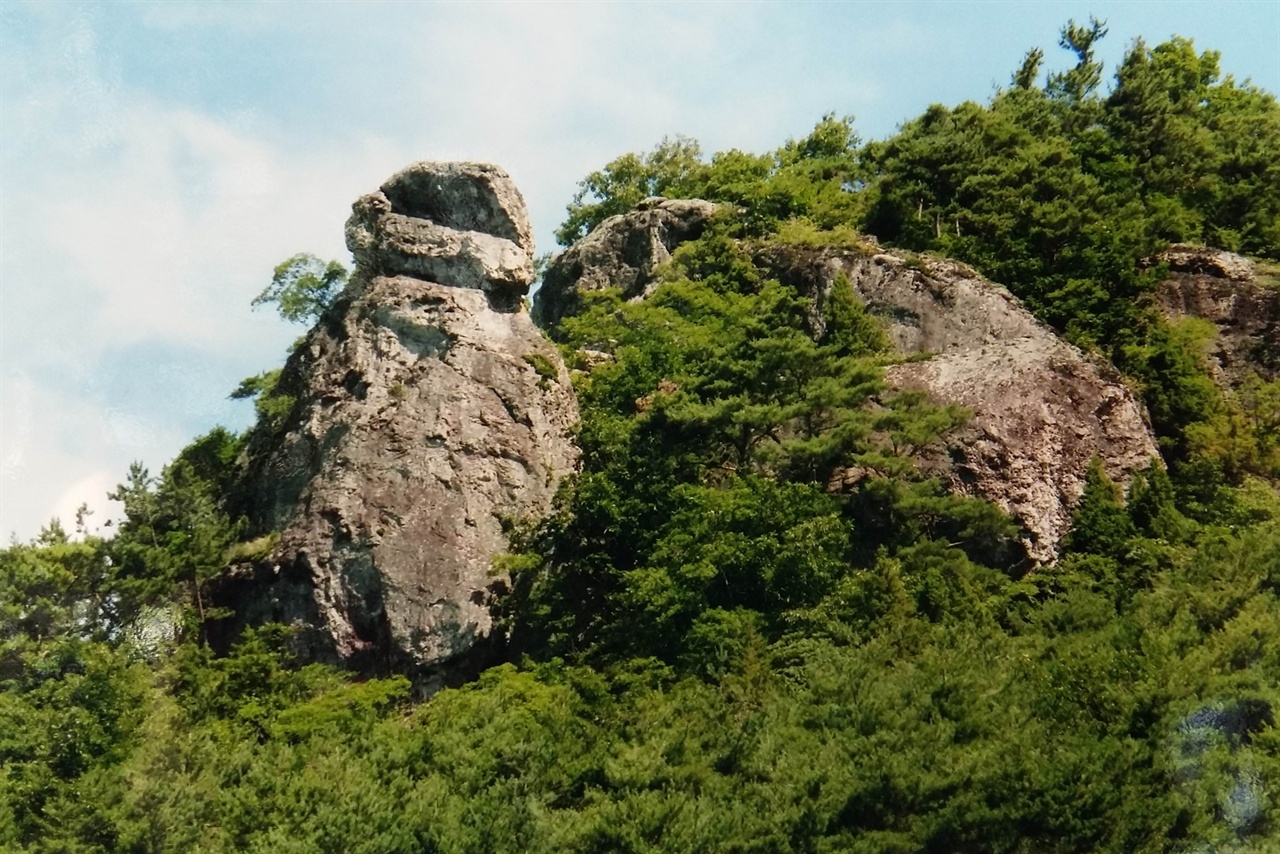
{"x": 303, "y": 287}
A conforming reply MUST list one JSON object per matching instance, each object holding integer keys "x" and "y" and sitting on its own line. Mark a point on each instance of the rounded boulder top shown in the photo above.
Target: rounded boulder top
{"x": 463, "y": 196}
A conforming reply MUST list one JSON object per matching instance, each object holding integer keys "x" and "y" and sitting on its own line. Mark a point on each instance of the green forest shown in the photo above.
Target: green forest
{"x": 705, "y": 648}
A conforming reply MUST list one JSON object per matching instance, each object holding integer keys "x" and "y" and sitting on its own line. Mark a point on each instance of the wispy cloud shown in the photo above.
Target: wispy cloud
{"x": 158, "y": 159}
{"x": 136, "y": 227}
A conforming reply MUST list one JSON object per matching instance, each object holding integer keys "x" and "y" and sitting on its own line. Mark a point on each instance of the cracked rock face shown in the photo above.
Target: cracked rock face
{"x": 1041, "y": 412}
{"x": 1041, "y": 409}
{"x": 428, "y": 413}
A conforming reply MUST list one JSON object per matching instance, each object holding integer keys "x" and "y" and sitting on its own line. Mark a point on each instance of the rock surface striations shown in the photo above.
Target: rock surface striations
{"x": 429, "y": 410}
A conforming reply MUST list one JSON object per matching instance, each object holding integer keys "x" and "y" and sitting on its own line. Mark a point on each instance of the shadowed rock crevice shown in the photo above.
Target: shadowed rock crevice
{"x": 462, "y": 196}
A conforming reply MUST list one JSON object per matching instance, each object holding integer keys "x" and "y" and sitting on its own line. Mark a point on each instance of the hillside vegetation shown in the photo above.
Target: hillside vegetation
{"x": 707, "y": 649}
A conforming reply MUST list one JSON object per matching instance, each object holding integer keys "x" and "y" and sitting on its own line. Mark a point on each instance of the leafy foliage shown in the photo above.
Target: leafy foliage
{"x": 811, "y": 178}
{"x": 177, "y": 532}
{"x": 303, "y": 287}
{"x": 750, "y": 623}
{"x": 271, "y": 405}
{"x": 1060, "y": 193}
{"x": 619, "y": 186}
{"x": 702, "y": 516}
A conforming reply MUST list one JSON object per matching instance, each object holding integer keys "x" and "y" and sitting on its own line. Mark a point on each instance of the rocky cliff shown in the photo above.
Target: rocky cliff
{"x": 1227, "y": 290}
{"x": 429, "y": 410}
{"x": 1041, "y": 408}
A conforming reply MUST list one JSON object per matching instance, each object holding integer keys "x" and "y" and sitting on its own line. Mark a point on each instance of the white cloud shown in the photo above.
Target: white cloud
{"x": 174, "y": 229}
{"x": 17, "y": 421}
{"x": 129, "y": 223}
{"x": 552, "y": 91}
{"x": 169, "y": 243}
{"x": 135, "y": 220}
{"x": 187, "y": 14}
{"x": 59, "y": 452}
{"x": 89, "y": 492}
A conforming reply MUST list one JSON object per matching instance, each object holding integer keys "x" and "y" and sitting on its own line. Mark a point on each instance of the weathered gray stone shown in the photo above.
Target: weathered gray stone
{"x": 463, "y": 196}
{"x": 621, "y": 252}
{"x": 1223, "y": 288}
{"x": 394, "y": 244}
{"x": 421, "y": 426}
{"x": 1041, "y": 412}
{"x": 426, "y": 417}
{"x": 928, "y": 305}
{"x": 459, "y": 224}
{"x": 1185, "y": 258}
{"x": 1041, "y": 408}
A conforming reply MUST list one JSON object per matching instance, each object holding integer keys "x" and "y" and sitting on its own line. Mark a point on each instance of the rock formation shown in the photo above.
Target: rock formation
{"x": 458, "y": 224}
{"x": 1041, "y": 408}
{"x": 620, "y": 252}
{"x": 1225, "y": 289}
{"x": 429, "y": 410}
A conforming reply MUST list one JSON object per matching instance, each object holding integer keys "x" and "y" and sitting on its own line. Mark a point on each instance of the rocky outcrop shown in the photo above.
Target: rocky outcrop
{"x": 620, "y": 252}
{"x": 1225, "y": 289}
{"x": 458, "y": 224}
{"x": 1041, "y": 408}
{"x": 927, "y": 305}
{"x": 430, "y": 411}
{"x": 1190, "y": 260}
{"x": 1041, "y": 413}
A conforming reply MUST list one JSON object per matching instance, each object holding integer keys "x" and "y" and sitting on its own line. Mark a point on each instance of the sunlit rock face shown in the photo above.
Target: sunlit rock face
{"x": 457, "y": 224}
{"x": 1242, "y": 302}
{"x": 1041, "y": 408}
{"x": 430, "y": 412}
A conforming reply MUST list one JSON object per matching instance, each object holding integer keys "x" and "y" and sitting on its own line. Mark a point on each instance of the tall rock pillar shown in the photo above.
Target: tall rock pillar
{"x": 429, "y": 411}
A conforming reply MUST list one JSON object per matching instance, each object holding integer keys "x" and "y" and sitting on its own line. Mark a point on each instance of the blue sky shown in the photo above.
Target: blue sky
{"x": 158, "y": 159}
